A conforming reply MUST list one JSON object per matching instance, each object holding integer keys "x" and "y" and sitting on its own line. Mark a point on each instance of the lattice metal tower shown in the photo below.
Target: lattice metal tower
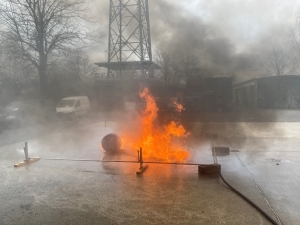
{"x": 129, "y": 31}
{"x": 129, "y": 46}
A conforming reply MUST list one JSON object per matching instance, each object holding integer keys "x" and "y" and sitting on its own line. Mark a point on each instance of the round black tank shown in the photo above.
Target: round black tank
{"x": 111, "y": 143}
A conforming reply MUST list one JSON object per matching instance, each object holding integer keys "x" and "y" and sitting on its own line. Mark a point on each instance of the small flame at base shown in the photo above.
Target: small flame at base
{"x": 179, "y": 107}
{"x": 165, "y": 143}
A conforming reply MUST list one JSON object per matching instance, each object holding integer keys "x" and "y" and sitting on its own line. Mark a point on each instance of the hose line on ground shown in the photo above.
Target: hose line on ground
{"x": 248, "y": 200}
{"x": 236, "y": 191}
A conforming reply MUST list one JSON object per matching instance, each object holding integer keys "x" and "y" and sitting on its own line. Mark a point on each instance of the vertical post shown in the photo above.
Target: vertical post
{"x": 141, "y": 30}
{"x": 121, "y": 36}
{"x": 141, "y": 158}
{"x": 151, "y": 73}
{"x": 142, "y": 168}
{"x": 255, "y": 94}
{"x": 148, "y": 29}
{"x": 109, "y": 32}
{"x": 120, "y": 30}
{"x": 26, "y": 151}
{"x": 110, "y": 37}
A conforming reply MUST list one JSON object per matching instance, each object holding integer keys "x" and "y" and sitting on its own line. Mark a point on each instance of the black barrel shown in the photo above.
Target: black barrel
{"x": 111, "y": 143}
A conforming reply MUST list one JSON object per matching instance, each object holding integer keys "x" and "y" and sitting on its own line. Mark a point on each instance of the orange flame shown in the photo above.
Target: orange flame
{"x": 179, "y": 107}
{"x": 164, "y": 143}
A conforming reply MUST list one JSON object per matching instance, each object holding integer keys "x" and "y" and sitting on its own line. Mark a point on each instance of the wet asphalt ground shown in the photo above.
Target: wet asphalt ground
{"x": 263, "y": 164}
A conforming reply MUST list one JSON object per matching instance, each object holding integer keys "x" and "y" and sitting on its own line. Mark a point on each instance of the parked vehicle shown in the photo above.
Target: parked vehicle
{"x": 73, "y": 107}
{"x": 16, "y": 114}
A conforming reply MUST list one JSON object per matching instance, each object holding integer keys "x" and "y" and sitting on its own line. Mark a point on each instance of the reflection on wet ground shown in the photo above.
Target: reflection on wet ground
{"x": 91, "y": 192}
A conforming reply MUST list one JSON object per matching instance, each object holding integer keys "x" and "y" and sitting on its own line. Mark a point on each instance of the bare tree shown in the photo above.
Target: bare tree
{"x": 15, "y": 69}
{"x": 164, "y": 60}
{"x": 176, "y": 65}
{"x": 76, "y": 63}
{"x": 279, "y": 62}
{"x": 39, "y": 30}
{"x": 189, "y": 64}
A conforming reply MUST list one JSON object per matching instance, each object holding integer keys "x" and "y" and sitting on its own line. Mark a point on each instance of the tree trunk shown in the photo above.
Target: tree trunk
{"x": 43, "y": 73}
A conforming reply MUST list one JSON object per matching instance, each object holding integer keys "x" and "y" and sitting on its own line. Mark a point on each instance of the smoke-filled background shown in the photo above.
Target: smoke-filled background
{"x": 239, "y": 39}
{"x": 227, "y": 38}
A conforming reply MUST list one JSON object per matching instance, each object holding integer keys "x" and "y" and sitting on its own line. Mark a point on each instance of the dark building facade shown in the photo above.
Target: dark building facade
{"x": 276, "y": 92}
{"x": 217, "y": 85}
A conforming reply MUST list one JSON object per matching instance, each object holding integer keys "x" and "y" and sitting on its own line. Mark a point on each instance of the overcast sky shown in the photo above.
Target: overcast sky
{"x": 245, "y": 21}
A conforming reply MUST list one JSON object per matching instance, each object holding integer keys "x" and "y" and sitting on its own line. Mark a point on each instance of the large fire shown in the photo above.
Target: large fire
{"x": 163, "y": 143}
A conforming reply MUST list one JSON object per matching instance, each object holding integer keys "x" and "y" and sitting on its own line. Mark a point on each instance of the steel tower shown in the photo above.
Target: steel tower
{"x": 129, "y": 44}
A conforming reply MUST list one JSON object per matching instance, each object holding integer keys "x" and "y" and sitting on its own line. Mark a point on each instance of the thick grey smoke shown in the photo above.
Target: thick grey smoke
{"x": 219, "y": 51}
{"x": 228, "y": 37}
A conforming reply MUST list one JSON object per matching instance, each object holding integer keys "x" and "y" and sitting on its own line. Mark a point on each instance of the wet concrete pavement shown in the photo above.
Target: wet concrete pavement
{"x": 72, "y": 192}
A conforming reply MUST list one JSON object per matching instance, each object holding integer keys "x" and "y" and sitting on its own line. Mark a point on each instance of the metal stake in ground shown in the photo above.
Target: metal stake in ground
{"x": 27, "y": 159}
{"x": 142, "y": 168}
{"x": 26, "y": 151}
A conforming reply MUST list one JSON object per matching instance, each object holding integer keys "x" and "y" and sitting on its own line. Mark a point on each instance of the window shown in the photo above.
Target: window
{"x": 77, "y": 104}
{"x": 66, "y": 103}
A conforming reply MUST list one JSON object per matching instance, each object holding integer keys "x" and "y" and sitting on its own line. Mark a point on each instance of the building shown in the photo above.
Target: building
{"x": 275, "y": 92}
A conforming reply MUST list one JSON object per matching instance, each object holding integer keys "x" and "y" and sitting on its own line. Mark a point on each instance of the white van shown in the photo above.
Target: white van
{"x": 72, "y": 107}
